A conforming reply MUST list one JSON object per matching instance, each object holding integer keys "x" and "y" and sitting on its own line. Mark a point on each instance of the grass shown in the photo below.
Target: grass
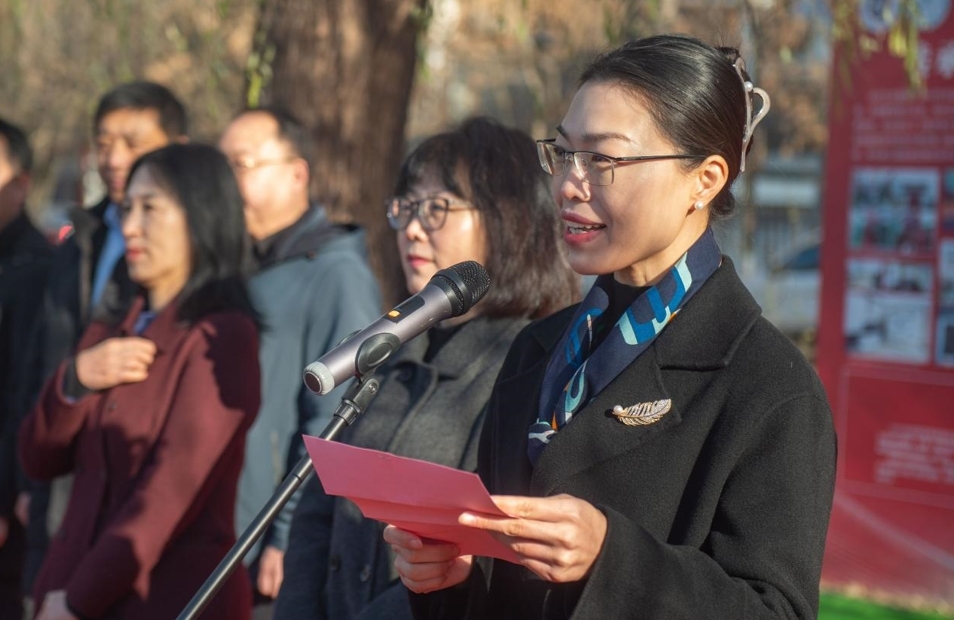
{"x": 840, "y": 607}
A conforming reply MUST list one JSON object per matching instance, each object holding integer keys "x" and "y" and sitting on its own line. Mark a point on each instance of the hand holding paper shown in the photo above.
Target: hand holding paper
{"x": 420, "y": 497}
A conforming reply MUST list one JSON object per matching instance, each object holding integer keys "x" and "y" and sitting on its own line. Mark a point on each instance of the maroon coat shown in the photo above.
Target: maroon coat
{"x": 155, "y": 469}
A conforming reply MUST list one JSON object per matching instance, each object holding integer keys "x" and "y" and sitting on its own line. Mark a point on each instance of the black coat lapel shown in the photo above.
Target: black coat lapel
{"x": 596, "y": 435}
{"x": 515, "y": 401}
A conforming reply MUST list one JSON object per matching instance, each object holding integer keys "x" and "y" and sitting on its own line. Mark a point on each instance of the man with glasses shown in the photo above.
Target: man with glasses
{"x": 313, "y": 287}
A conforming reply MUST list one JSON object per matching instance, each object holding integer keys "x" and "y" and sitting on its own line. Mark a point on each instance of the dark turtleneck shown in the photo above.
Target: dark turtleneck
{"x": 622, "y": 297}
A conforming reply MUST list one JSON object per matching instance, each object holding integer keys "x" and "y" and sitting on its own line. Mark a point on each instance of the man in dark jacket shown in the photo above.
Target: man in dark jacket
{"x": 88, "y": 276}
{"x": 313, "y": 288}
{"x": 24, "y": 260}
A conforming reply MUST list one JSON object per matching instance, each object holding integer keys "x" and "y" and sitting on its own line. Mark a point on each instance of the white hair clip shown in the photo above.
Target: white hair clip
{"x": 750, "y": 121}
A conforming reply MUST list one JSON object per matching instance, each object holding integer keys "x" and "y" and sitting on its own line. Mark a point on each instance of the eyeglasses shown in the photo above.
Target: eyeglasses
{"x": 250, "y": 163}
{"x": 430, "y": 212}
{"x": 594, "y": 168}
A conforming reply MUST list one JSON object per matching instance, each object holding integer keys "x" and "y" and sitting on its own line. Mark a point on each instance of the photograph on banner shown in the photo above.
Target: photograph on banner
{"x": 888, "y": 310}
{"x": 947, "y": 202}
{"x": 945, "y": 269}
{"x": 894, "y": 209}
{"x": 944, "y": 353}
{"x": 878, "y": 16}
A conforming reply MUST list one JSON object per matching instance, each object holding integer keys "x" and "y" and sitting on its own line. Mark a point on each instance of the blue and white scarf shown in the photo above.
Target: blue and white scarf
{"x": 574, "y": 377}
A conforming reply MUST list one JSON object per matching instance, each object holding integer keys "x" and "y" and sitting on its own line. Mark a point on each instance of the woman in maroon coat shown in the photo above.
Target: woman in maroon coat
{"x": 151, "y": 414}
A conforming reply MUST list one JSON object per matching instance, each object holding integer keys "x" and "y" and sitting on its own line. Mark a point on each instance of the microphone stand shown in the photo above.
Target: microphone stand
{"x": 359, "y": 395}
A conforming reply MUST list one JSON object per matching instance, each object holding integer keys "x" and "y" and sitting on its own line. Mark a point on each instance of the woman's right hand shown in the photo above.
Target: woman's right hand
{"x": 115, "y": 361}
{"x": 427, "y": 566}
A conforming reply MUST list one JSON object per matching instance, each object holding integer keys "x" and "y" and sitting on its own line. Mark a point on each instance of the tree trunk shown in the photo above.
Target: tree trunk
{"x": 345, "y": 68}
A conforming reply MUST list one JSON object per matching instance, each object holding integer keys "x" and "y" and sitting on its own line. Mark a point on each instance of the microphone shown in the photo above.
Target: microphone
{"x": 451, "y": 292}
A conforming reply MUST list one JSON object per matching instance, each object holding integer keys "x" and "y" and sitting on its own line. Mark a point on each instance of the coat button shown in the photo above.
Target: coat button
{"x": 334, "y": 563}
{"x": 365, "y": 574}
{"x": 111, "y": 406}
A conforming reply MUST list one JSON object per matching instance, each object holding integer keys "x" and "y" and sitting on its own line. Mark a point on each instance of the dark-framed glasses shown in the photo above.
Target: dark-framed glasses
{"x": 431, "y": 212}
{"x": 594, "y": 168}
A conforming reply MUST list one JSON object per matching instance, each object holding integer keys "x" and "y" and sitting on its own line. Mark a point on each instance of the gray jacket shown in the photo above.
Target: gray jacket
{"x": 337, "y": 565}
{"x": 314, "y": 290}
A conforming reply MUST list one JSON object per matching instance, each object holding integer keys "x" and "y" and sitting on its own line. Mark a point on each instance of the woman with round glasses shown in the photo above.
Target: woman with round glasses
{"x": 660, "y": 450}
{"x": 474, "y": 193}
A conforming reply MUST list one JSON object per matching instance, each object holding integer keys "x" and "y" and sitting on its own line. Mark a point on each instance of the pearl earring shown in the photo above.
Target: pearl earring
{"x": 699, "y": 205}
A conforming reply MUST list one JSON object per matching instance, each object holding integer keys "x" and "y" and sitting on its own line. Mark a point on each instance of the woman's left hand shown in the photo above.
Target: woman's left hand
{"x": 54, "y": 607}
{"x": 271, "y": 564}
{"x": 559, "y": 537}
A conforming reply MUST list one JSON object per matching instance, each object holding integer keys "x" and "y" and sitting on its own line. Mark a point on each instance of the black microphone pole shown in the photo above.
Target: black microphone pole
{"x": 455, "y": 289}
{"x": 353, "y": 404}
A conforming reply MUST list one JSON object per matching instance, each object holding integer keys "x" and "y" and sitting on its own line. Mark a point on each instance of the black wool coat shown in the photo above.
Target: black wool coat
{"x": 717, "y": 511}
{"x": 337, "y": 565}
{"x": 24, "y": 266}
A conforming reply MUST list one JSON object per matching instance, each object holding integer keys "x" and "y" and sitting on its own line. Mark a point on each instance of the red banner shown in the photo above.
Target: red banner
{"x": 886, "y": 335}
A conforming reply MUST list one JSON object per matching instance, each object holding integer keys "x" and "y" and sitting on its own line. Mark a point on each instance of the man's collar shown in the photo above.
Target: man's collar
{"x": 112, "y": 217}
{"x": 265, "y": 249}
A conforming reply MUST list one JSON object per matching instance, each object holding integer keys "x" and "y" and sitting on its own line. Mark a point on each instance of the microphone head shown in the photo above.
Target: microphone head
{"x": 465, "y": 283}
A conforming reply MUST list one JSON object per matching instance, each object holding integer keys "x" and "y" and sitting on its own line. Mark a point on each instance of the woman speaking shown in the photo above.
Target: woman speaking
{"x": 660, "y": 449}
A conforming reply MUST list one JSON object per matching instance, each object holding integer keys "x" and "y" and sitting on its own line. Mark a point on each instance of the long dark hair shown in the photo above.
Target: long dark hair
{"x": 495, "y": 169}
{"x": 200, "y": 179}
{"x": 693, "y": 92}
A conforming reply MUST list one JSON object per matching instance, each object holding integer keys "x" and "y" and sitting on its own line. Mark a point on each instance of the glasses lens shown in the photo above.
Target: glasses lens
{"x": 556, "y": 157}
{"x": 399, "y": 214}
{"x": 546, "y": 156}
{"x": 432, "y": 212}
{"x": 595, "y": 168}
